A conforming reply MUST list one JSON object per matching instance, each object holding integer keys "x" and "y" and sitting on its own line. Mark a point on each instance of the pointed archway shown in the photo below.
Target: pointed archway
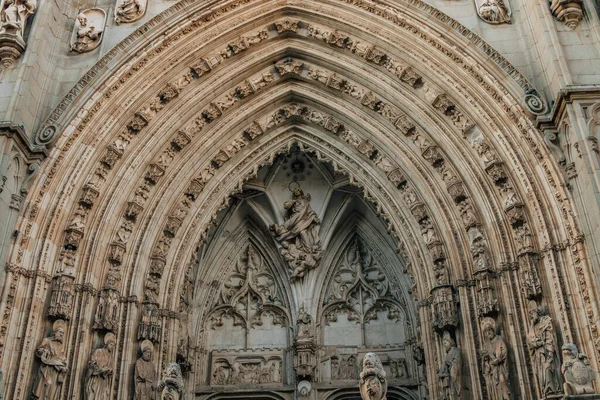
{"x": 437, "y": 137}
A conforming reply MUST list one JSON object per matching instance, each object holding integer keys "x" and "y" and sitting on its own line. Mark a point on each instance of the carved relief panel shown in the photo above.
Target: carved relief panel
{"x": 262, "y": 367}
{"x": 494, "y": 11}
{"x": 88, "y": 30}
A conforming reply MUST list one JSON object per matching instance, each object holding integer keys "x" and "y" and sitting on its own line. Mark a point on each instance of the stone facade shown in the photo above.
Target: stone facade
{"x": 300, "y": 199}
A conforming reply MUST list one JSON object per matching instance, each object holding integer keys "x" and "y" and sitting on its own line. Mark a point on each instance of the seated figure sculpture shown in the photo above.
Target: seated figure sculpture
{"x": 575, "y": 368}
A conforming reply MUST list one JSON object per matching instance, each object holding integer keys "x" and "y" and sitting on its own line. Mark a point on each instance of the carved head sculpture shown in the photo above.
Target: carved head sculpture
{"x": 488, "y": 327}
{"x": 298, "y": 193}
{"x": 172, "y": 377}
{"x": 373, "y": 385}
{"x": 447, "y": 341}
{"x": 82, "y": 18}
{"x": 534, "y": 311}
{"x": 58, "y": 329}
{"x": 110, "y": 341}
{"x": 569, "y": 351}
{"x": 147, "y": 349}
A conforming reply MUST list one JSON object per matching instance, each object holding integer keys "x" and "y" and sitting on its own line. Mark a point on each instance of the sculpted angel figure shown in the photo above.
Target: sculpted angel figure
{"x": 54, "y": 364}
{"x": 301, "y": 246}
{"x": 100, "y": 370}
{"x": 450, "y": 371}
{"x": 494, "y": 362}
{"x": 88, "y": 36}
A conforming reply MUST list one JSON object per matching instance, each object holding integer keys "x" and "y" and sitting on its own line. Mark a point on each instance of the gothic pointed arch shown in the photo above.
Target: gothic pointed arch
{"x": 170, "y": 154}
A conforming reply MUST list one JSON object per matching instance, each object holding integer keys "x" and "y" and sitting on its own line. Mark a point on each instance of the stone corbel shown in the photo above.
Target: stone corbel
{"x": 569, "y": 12}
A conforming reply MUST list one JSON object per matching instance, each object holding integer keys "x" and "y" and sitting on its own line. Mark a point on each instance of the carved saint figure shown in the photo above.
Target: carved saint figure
{"x": 301, "y": 246}
{"x": 576, "y": 371}
{"x": 373, "y": 385}
{"x": 348, "y": 369}
{"x": 14, "y": 14}
{"x": 398, "y": 368}
{"x": 145, "y": 374}
{"x": 450, "y": 371}
{"x": 129, "y": 10}
{"x": 543, "y": 350}
{"x": 171, "y": 385}
{"x": 220, "y": 375}
{"x": 494, "y": 362}
{"x": 54, "y": 364}
{"x": 88, "y": 36}
{"x": 100, "y": 370}
{"x": 304, "y": 324}
{"x": 494, "y": 12}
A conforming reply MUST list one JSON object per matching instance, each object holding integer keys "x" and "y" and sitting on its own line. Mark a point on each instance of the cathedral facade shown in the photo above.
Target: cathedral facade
{"x": 300, "y": 199}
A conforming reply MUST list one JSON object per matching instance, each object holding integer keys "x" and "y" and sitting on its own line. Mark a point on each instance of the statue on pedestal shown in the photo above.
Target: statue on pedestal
{"x": 450, "y": 371}
{"x": 54, "y": 364}
{"x": 100, "y": 370}
{"x": 542, "y": 349}
{"x": 494, "y": 362}
{"x": 145, "y": 374}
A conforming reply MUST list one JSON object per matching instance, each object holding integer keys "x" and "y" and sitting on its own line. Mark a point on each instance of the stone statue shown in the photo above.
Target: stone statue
{"x": 373, "y": 385}
{"x": 576, "y": 371}
{"x": 171, "y": 385}
{"x": 301, "y": 246}
{"x": 494, "y": 362}
{"x": 494, "y": 12}
{"x": 14, "y": 14}
{"x": 100, "y": 370}
{"x": 129, "y": 10}
{"x": 450, "y": 371}
{"x": 88, "y": 36}
{"x": 54, "y": 364}
{"x": 145, "y": 374}
{"x": 542, "y": 349}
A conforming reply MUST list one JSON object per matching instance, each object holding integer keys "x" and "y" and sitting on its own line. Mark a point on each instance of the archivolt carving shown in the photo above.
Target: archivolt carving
{"x": 522, "y": 224}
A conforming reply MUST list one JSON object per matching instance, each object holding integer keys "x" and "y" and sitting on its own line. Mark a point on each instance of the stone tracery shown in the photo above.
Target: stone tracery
{"x": 124, "y": 248}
